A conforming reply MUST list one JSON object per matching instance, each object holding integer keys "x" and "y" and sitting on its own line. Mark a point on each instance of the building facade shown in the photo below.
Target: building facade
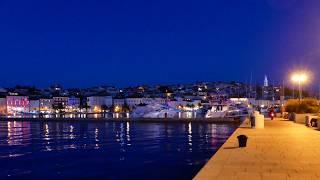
{"x": 60, "y": 101}
{"x": 17, "y": 105}
{"x": 34, "y": 106}
{"x": 118, "y": 102}
{"x": 96, "y": 102}
{"x": 3, "y": 106}
{"x": 46, "y": 105}
{"x": 73, "y": 103}
{"x": 134, "y": 101}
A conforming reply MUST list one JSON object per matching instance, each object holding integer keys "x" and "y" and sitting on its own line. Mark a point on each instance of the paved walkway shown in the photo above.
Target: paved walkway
{"x": 283, "y": 150}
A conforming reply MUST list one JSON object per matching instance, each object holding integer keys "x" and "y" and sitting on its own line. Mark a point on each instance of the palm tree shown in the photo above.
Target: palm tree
{"x": 58, "y": 107}
{"x": 125, "y": 107}
{"x": 83, "y": 104}
{"x": 86, "y": 107}
{"x": 190, "y": 106}
{"x": 104, "y": 109}
{"x": 111, "y": 108}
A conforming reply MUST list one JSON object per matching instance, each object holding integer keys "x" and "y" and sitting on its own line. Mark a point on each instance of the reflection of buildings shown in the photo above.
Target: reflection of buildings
{"x": 190, "y": 136}
{"x": 17, "y": 104}
{"x": 18, "y": 132}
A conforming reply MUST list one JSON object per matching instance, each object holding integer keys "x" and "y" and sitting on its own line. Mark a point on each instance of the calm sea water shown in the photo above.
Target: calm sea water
{"x": 108, "y": 150}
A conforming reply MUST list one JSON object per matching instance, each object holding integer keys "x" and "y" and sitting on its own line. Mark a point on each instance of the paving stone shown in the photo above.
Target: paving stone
{"x": 283, "y": 150}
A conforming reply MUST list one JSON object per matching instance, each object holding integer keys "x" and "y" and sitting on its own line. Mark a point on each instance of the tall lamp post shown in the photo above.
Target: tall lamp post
{"x": 299, "y": 78}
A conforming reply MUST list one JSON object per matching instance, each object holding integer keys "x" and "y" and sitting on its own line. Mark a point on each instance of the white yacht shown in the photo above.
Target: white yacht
{"x": 222, "y": 111}
{"x": 164, "y": 113}
{"x": 155, "y": 111}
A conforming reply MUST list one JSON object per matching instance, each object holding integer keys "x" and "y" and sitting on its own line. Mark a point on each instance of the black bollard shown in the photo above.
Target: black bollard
{"x": 242, "y": 139}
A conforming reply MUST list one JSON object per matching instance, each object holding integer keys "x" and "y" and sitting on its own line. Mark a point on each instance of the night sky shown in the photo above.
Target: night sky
{"x": 81, "y": 43}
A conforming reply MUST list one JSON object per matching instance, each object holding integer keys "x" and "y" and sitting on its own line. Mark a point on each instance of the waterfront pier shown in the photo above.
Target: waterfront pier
{"x": 283, "y": 150}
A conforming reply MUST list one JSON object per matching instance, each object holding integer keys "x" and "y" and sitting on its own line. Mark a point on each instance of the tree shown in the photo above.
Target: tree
{"x": 83, "y": 103}
{"x": 125, "y": 107}
{"x": 104, "y": 109}
{"x": 304, "y": 106}
{"x": 86, "y": 107}
{"x": 111, "y": 108}
{"x": 290, "y": 92}
{"x": 190, "y": 106}
{"x": 58, "y": 107}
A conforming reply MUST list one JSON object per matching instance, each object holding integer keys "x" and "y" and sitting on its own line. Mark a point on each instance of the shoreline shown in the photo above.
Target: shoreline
{"x": 202, "y": 174}
{"x": 141, "y": 120}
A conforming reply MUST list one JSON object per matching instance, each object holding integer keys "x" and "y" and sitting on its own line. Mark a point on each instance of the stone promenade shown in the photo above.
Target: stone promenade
{"x": 283, "y": 150}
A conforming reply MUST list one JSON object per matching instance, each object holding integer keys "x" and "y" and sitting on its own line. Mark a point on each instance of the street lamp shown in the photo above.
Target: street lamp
{"x": 299, "y": 78}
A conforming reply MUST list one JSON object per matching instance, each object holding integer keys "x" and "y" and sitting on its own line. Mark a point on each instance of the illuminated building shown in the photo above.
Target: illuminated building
{"x": 119, "y": 101}
{"x": 17, "y": 105}
{"x": 95, "y": 102}
{"x": 73, "y": 103}
{"x": 3, "y": 106}
{"x": 46, "y": 105}
{"x": 265, "y": 82}
{"x": 34, "y": 106}
{"x": 60, "y": 101}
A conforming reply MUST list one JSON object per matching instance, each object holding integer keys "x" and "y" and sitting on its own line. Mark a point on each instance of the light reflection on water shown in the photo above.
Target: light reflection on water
{"x": 184, "y": 115}
{"x": 62, "y": 149}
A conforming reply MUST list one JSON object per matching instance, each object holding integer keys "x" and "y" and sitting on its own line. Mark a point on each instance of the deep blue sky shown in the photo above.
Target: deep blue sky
{"x": 127, "y": 42}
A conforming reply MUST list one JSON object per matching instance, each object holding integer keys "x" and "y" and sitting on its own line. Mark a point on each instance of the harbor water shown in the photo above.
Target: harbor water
{"x": 111, "y": 150}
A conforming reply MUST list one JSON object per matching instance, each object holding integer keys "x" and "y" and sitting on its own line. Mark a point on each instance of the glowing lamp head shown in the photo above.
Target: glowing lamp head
{"x": 299, "y": 77}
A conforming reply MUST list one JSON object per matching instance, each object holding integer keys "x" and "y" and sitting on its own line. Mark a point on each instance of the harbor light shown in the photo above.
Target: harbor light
{"x": 117, "y": 109}
{"x": 299, "y": 78}
{"x": 96, "y": 109}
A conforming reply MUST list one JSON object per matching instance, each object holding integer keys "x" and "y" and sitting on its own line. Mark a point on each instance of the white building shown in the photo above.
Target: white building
{"x": 147, "y": 100}
{"x": 159, "y": 100}
{"x": 108, "y": 101}
{"x": 133, "y": 101}
{"x": 34, "y": 106}
{"x": 266, "y": 103}
{"x": 136, "y": 101}
{"x": 118, "y": 102}
{"x": 183, "y": 102}
{"x": 73, "y": 103}
{"x": 95, "y": 102}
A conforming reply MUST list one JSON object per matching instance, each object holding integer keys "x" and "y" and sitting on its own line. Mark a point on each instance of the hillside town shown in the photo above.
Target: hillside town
{"x": 23, "y": 101}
